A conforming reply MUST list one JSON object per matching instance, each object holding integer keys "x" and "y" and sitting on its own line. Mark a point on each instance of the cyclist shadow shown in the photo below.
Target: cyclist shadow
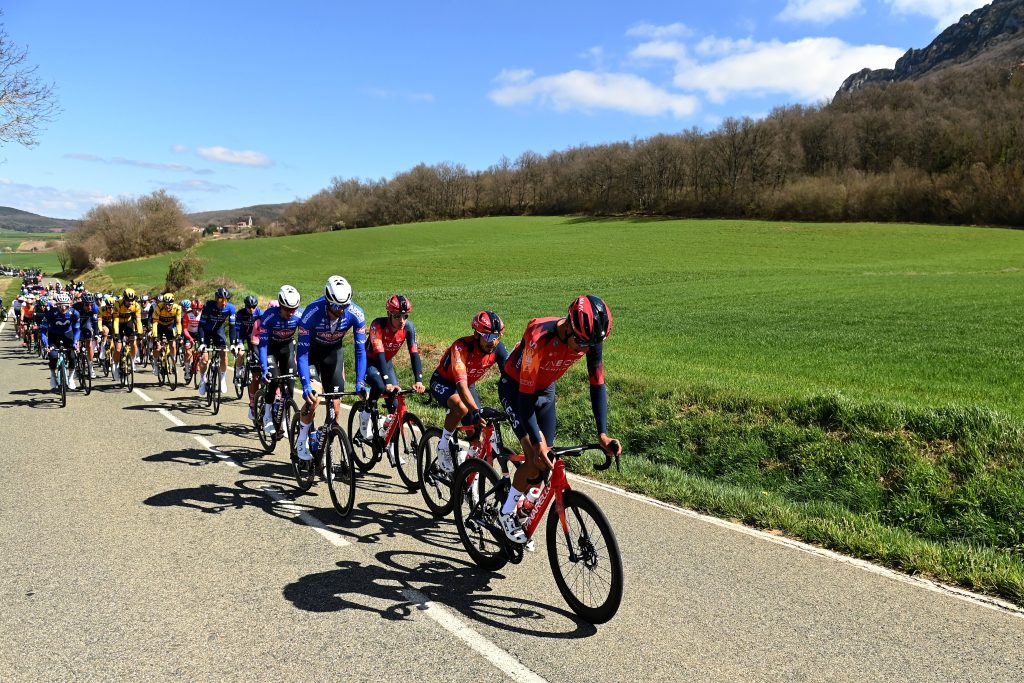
{"x": 194, "y": 457}
{"x": 211, "y": 499}
{"x": 377, "y": 481}
{"x": 52, "y": 400}
{"x": 374, "y": 521}
{"x": 355, "y": 585}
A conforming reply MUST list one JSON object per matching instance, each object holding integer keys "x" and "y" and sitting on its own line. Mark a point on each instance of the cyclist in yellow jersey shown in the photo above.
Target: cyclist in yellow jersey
{"x": 127, "y": 327}
{"x": 166, "y": 327}
{"x": 107, "y": 312}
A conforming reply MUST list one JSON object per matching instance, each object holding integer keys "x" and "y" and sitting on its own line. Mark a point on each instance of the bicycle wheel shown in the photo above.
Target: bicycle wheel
{"x": 62, "y": 384}
{"x": 303, "y": 474}
{"x": 477, "y": 502}
{"x": 172, "y": 373}
{"x": 404, "y": 446}
{"x": 214, "y": 391}
{"x": 209, "y": 385}
{"x": 340, "y": 471}
{"x": 129, "y": 376}
{"x": 86, "y": 374}
{"x": 363, "y": 452}
{"x": 266, "y": 440}
{"x": 586, "y": 560}
{"x": 435, "y": 483}
{"x": 290, "y": 409}
{"x": 239, "y": 380}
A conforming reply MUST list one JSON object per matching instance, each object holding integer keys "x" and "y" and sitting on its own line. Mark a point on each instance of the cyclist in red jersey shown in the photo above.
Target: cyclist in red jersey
{"x": 549, "y": 347}
{"x": 454, "y": 382}
{"x": 384, "y": 338}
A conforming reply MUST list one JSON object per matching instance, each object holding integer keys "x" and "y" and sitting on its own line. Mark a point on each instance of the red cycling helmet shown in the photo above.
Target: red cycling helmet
{"x": 399, "y": 303}
{"x": 590, "y": 319}
{"x": 488, "y": 322}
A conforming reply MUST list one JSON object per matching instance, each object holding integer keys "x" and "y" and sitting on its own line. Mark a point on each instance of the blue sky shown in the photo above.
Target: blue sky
{"x": 227, "y": 104}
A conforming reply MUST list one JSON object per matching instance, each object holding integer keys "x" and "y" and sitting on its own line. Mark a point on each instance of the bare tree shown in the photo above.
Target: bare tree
{"x": 25, "y": 102}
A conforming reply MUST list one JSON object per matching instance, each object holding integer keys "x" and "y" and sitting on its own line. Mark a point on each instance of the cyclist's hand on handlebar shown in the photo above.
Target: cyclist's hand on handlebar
{"x": 611, "y": 446}
{"x": 202, "y": 348}
{"x": 389, "y": 388}
{"x": 418, "y": 387}
{"x": 308, "y": 392}
{"x": 267, "y": 376}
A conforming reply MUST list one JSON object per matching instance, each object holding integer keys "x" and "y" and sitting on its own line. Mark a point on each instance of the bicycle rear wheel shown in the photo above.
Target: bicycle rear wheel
{"x": 172, "y": 373}
{"x": 585, "y": 560}
{"x": 129, "y": 376}
{"x": 214, "y": 391}
{"x": 478, "y": 501}
{"x": 404, "y": 446}
{"x": 303, "y": 473}
{"x": 340, "y": 471}
{"x": 435, "y": 483}
{"x": 268, "y": 441}
{"x": 62, "y": 384}
{"x": 364, "y": 454}
{"x": 239, "y": 378}
{"x": 85, "y": 373}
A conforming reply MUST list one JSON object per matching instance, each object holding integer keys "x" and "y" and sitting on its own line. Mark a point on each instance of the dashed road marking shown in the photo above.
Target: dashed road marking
{"x": 281, "y": 502}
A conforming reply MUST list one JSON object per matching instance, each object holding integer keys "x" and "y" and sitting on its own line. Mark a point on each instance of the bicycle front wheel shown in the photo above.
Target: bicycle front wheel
{"x": 364, "y": 454}
{"x": 303, "y": 473}
{"x": 266, "y": 440}
{"x": 340, "y": 472}
{"x": 214, "y": 392}
{"x": 62, "y": 383}
{"x": 172, "y": 373}
{"x": 239, "y": 380}
{"x": 435, "y": 483}
{"x": 585, "y": 559}
{"x": 405, "y": 444}
{"x": 129, "y": 377}
{"x": 478, "y": 501}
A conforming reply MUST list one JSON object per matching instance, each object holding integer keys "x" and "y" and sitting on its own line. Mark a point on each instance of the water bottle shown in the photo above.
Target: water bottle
{"x": 494, "y": 441}
{"x": 314, "y": 441}
{"x": 528, "y": 500}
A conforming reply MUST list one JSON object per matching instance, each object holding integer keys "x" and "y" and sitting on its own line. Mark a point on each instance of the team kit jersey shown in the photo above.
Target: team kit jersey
{"x": 465, "y": 362}
{"x": 318, "y": 331}
{"x": 168, "y": 316}
{"x": 128, "y": 317}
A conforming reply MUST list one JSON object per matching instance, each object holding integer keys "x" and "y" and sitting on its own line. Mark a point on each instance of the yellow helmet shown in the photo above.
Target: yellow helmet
{"x": 129, "y": 294}
{"x": 167, "y": 298}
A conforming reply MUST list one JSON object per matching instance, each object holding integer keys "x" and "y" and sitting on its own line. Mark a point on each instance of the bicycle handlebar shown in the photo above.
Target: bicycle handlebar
{"x": 573, "y": 451}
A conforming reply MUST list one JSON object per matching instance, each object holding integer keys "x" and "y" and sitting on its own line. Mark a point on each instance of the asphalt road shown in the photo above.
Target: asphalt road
{"x": 131, "y": 550}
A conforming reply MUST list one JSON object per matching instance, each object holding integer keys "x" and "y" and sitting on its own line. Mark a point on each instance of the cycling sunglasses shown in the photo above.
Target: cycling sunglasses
{"x": 491, "y": 337}
{"x": 336, "y": 307}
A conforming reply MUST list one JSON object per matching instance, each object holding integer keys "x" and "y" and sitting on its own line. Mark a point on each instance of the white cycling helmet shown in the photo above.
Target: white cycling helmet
{"x": 338, "y": 291}
{"x": 289, "y": 297}
{"x": 62, "y": 299}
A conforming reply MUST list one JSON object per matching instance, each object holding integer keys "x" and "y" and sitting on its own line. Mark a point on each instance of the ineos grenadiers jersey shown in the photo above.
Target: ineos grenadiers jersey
{"x": 59, "y": 325}
{"x": 383, "y": 343}
{"x": 465, "y": 362}
{"x": 541, "y": 358}
{"x": 316, "y": 329}
{"x": 216, "y": 319}
{"x": 244, "y": 320}
{"x": 275, "y": 329}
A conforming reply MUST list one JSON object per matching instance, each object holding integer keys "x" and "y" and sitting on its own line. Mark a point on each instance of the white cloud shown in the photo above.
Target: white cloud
{"x": 155, "y": 165}
{"x": 945, "y": 12}
{"x": 645, "y": 30}
{"x": 818, "y": 11}
{"x": 809, "y": 69}
{"x": 717, "y": 47}
{"x": 230, "y": 156}
{"x": 179, "y": 149}
{"x": 588, "y": 90}
{"x": 659, "y": 49}
{"x": 50, "y": 201}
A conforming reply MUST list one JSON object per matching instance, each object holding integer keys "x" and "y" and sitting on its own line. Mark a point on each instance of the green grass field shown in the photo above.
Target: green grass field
{"x": 856, "y": 385}
{"x": 10, "y": 239}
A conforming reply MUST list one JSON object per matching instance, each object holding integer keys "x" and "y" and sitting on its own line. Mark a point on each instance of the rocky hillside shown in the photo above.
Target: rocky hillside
{"x": 993, "y": 34}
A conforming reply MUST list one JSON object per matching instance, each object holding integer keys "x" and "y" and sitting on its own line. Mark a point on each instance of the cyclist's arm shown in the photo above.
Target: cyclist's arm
{"x": 115, "y": 321}
{"x": 458, "y": 357}
{"x": 229, "y": 327}
{"x": 527, "y": 388}
{"x": 43, "y": 329}
{"x": 304, "y": 333}
{"x": 414, "y": 351}
{"x": 138, "y": 320}
{"x": 598, "y": 392}
{"x": 264, "y": 343}
{"x": 360, "y": 340}
{"x": 177, "y": 322}
{"x": 76, "y": 326}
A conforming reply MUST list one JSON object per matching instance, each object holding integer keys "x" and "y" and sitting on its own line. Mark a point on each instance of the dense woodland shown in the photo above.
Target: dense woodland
{"x": 945, "y": 149}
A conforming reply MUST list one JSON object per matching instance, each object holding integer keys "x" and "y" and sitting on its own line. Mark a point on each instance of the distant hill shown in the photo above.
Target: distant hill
{"x": 264, "y": 213}
{"x": 991, "y": 34}
{"x": 16, "y": 219}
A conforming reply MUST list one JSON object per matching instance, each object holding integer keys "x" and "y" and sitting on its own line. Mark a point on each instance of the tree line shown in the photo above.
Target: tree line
{"x": 945, "y": 149}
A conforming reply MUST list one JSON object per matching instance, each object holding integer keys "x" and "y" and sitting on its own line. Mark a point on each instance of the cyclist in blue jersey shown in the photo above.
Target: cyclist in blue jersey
{"x": 322, "y": 330}
{"x": 277, "y": 340}
{"x": 215, "y": 327}
{"x": 88, "y": 324}
{"x": 59, "y": 328}
{"x": 245, "y": 319}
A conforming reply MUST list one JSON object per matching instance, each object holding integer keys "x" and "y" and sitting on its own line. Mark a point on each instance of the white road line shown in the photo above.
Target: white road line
{"x": 296, "y": 511}
{"x": 952, "y": 591}
{"x": 145, "y": 398}
{"x": 504, "y": 661}
{"x": 174, "y": 420}
{"x": 205, "y": 443}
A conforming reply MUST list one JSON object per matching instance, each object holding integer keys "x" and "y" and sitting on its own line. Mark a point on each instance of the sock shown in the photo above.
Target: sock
{"x": 303, "y": 431}
{"x": 364, "y": 417}
{"x": 267, "y": 413}
{"x": 446, "y": 436}
{"x": 510, "y": 503}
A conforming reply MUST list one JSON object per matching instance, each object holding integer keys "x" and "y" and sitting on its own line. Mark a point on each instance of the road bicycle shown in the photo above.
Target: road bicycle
{"x": 401, "y": 444}
{"x": 83, "y": 367}
{"x": 213, "y": 378}
{"x": 61, "y": 375}
{"x": 582, "y": 549}
{"x": 243, "y": 373}
{"x": 107, "y": 356}
{"x": 436, "y": 484}
{"x": 125, "y": 367}
{"x": 332, "y": 457}
{"x": 167, "y": 366}
{"x": 282, "y": 410}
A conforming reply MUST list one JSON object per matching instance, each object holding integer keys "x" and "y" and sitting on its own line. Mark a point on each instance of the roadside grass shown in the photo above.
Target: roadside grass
{"x": 854, "y": 385}
{"x": 44, "y": 260}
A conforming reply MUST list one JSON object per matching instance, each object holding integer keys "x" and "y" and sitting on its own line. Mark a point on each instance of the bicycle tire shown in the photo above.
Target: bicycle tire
{"x": 339, "y": 470}
{"x": 303, "y": 477}
{"x": 130, "y": 373}
{"x": 209, "y": 386}
{"x": 239, "y": 381}
{"x": 172, "y": 374}
{"x": 476, "y": 516}
{"x": 601, "y": 578}
{"x": 435, "y": 484}
{"x": 266, "y": 440}
{"x": 364, "y": 454}
{"x": 62, "y": 383}
{"x": 86, "y": 375}
{"x": 405, "y": 444}
{"x": 290, "y": 408}
{"x": 215, "y": 393}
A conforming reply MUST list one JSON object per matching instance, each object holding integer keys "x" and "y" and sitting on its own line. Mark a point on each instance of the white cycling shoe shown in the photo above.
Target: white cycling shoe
{"x": 512, "y": 528}
{"x": 444, "y": 458}
{"x": 302, "y": 449}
